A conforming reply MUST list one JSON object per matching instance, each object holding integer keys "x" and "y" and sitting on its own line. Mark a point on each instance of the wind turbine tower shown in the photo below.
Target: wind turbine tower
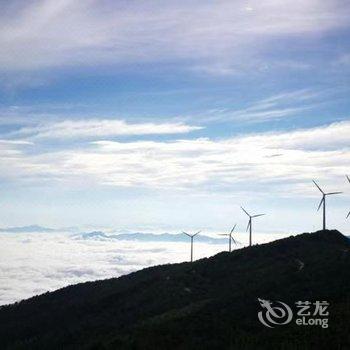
{"x": 323, "y": 202}
{"x": 250, "y": 224}
{"x": 191, "y": 236}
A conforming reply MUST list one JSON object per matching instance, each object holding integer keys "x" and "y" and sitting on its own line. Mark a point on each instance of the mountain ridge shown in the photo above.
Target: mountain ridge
{"x": 150, "y": 237}
{"x": 101, "y": 235}
{"x": 27, "y": 229}
{"x": 216, "y": 298}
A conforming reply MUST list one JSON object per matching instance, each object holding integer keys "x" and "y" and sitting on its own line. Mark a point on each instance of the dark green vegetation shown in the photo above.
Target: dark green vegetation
{"x": 209, "y": 304}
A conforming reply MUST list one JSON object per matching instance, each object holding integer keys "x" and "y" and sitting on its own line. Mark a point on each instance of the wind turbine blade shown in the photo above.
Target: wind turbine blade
{"x": 185, "y": 233}
{"x": 233, "y": 228}
{"x": 348, "y": 177}
{"x": 223, "y": 234}
{"x": 234, "y": 241}
{"x": 255, "y": 216}
{"x": 245, "y": 211}
{"x": 348, "y": 215}
{"x": 196, "y": 233}
{"x": 330, "y": 193}
{"x": 319, "y": 206}
{"x": 318, "y": 186}
{"x": 249, "y": 223}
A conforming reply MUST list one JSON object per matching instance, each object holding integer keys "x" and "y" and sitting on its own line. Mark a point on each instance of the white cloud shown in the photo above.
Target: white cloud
{"x": 97, "y": 128}
{"x": 8, "y": 143}
{"x": 286, "y": 104}
{"x": 49, "y": 33}
{"x": 333, "y": 137}
{"x": 12, "y": 149}
{"x": 232, "y": 164}
{"x": 32, "y": 264}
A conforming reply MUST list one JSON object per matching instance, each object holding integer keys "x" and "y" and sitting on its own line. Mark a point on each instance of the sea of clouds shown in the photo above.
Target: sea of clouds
{"x": 34, "y": 263}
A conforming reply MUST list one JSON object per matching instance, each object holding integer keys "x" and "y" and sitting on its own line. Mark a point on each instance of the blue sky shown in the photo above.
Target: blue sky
{"x": 169, "y": 116}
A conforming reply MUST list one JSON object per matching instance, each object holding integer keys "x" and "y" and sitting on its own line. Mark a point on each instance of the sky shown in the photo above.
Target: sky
{"x": 168, "y": 116}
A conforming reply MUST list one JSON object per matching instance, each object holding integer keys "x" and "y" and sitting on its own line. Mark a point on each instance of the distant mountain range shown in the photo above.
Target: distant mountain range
{"x": 27, "y": 229}
{"x": 149, "y": 237}
{"x": 100, "y": 235}
{"x": 210, "y": 304}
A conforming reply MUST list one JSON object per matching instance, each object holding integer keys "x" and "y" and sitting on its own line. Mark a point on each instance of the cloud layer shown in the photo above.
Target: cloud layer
{"x": 32, "y": 264}
{"x": 47, "y": 33}
{"x": 269, "y": 158}
{"x": 87, "y": 128}
{"x": 282, "y": 105}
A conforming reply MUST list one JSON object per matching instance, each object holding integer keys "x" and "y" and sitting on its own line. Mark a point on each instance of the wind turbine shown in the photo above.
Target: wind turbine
{"x": 230, "y": 238}
{"x": 349, "y": 182}
{"x": 323, "y": 202}
{"x": 249, "y": 227}
{"x": 191, "y": 236}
